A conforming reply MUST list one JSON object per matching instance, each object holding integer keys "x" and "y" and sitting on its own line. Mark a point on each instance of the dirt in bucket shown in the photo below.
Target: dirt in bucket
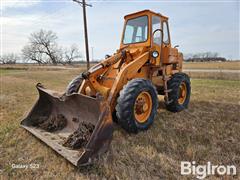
{"x": 80, "y": 137}
{"x": 54, "y": 123}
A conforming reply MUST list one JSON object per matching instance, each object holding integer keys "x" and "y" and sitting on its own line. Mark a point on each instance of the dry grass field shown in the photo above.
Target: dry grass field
{"x": 209, "y": 130}
{"x": 234, "y": 65}
{"x": 212, "y": 74}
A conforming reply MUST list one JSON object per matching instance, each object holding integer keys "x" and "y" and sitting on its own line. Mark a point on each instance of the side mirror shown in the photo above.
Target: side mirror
{"x": 157, "y": 36}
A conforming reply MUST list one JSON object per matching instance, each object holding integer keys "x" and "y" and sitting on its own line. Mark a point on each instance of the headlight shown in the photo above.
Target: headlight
{"x": 155, "y": 54}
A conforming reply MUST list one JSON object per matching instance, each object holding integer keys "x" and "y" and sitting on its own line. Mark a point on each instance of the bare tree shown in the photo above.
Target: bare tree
{"x": 43, "y": 48}
{"x": 30, "y": 54}
{"x": 10, "y": 58}
{"x": 72, "y": 54}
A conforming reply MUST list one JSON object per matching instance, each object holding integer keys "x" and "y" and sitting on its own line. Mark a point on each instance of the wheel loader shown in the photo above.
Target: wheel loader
{"x": 124, "y": 88}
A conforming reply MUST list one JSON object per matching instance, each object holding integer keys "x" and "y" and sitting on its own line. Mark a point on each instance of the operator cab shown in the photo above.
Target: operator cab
{"x": 140, "y": 26}
{"x": 146, "y": 30}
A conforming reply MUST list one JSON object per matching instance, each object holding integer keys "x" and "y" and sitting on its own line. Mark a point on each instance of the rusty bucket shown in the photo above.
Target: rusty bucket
{"x": 78, "y": 127}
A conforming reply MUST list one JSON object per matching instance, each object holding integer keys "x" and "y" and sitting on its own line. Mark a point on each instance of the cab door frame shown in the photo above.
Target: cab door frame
{"x": 165, "y": 45}
{"x": 154, "y": 45}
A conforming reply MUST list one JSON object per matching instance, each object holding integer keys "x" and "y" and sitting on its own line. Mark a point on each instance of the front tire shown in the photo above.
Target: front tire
{"x": 180, "y": 90}
{"x": 74, "y": 85}
{"x": 137, "y": 105}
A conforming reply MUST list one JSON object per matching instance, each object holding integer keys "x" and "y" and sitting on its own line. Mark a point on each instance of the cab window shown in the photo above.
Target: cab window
{"x": 165, "y": 33}
{"x": 136, "y": 30}
{"x": 156, "y": 24}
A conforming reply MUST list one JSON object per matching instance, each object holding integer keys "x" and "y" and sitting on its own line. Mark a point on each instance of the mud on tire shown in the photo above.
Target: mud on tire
{"x": 125, "y": 108}
{"x": 173, "y": 96}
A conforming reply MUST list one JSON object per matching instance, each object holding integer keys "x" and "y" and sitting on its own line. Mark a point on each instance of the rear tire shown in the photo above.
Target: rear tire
{"x": 74, "y": 85}
{"x": 137, "y": 105}
{"x": 179, "y": 83}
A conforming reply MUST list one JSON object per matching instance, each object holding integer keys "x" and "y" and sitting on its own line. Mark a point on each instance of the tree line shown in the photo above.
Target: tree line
{"x": 42, "y": 48}
{"x": 204, "y": 57}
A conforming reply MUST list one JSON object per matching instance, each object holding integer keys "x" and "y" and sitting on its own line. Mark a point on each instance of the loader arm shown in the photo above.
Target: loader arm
{"x": 93, "y": 74}
{"x": 127, "y": 72}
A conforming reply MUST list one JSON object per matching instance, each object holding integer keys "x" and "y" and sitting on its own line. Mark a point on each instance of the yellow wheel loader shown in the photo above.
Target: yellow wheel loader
{"x": 124, "y": 88}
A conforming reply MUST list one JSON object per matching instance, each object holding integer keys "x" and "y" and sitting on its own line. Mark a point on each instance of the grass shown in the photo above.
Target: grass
{"x": 230, "y": 65}
{"x": 221, "y": 75}
{"x": 207, "y": 131}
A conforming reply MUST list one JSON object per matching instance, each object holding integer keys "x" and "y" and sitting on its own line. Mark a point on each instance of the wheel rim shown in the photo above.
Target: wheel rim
{"x": 143, "y": 107}
{"x": 182, "y": 93}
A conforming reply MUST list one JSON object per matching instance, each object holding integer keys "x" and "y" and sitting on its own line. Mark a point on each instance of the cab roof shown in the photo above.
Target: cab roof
{"x": 146, "y": 11}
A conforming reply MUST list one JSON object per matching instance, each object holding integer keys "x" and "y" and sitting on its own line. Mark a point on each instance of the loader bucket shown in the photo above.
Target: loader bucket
{"x": 77, "y": 127}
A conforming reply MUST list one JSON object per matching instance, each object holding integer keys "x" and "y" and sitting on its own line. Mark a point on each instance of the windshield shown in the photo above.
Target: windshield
{"x": 136, "y": 30}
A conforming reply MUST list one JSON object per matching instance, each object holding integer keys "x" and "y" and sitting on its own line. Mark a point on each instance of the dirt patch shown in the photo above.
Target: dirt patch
{"x": 54, "y": 123}
{"x": 80, "y": 137}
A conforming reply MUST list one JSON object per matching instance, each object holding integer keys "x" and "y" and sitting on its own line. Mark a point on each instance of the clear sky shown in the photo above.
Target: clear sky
{"x": 196, "y": 26}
